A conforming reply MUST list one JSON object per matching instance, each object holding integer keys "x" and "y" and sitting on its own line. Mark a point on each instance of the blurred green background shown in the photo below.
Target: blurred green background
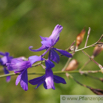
{"x": 22, "y": 22}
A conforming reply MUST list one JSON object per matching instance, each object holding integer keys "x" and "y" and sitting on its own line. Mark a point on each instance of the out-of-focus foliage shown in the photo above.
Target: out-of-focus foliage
{"x": 21, "y": 24}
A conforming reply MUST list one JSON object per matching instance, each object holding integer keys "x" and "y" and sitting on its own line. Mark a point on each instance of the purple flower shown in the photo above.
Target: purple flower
{"x": 48, "y": 79}
{"x": 48, "y": 44}
{"x": 3, "y": 60}
{"x": 19, "y": 65}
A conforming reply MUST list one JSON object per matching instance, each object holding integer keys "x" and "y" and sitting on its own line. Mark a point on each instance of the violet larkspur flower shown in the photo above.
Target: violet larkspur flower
{"x": 48, "y": 44}
{"x": 19, "y": 65}
{"x": 3, "y": 60}
{"x": 48, "y": 79}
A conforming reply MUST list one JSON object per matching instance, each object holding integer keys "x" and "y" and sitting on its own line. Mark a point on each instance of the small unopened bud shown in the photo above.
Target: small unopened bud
{"x": 98, "y": 48}
{"x": 72, "y": 65}
{"x": 72, "y": 48}
{"x": 80, "y": 37}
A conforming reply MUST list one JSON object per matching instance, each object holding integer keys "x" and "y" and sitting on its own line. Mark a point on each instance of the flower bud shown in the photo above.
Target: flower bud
{"x": 72, "y": 48}
{"x": 80, "y": 37}
{"x": 72, "y": 65}
{"x": 98, "y": 48}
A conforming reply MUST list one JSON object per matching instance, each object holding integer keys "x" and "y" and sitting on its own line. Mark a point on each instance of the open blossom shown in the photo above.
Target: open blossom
{"x": 19, "y": 65}
{"x": 48, "y": 79}
{"x": 48, "y": 44}
{"x": 5, "y": 58}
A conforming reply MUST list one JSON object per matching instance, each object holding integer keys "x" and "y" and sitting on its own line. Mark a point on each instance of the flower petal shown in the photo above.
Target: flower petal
{"x": 63, "y": 52}
{"x": 34, "y": 59}
{"x": 24, "y": 80}
{"x": 4, "y": 60}
{"x": 39, "y": 49}
{"x": 53, "y": 56}
{"x": 55, "y": 34}
{"x": 8, "y": 57}
{"x": 49, "y": 79}
{"x": 44, "y": 84}
{"x": 7, "y": 72}
{"x": 8, "y": 78}
{"x": 39, "y": 84}
{"x": 47, "y": 43}
{"x": 37, "y": 80}
{"x": 3, "y": 54}
{"x": 58, "y": 79}
{"x": 43, "y": 38}
{"x": 49, "y": 64}
{"x": 18, "y": 79}
{"x": 49, "y": 82}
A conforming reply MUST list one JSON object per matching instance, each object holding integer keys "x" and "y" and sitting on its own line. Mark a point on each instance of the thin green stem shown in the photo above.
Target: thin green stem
{"x": 90, "y": 45}
{"x": 85, "y": 47}
{"x": 87, "y": 36}
{"x": 99, "y": 65}
{"x": 37, "y": 64}
{"x": 5, "y": 75}
{"x": 84, "y": 64}
{"x": 55, "y": 72}
{"x": 66, "y": 64}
